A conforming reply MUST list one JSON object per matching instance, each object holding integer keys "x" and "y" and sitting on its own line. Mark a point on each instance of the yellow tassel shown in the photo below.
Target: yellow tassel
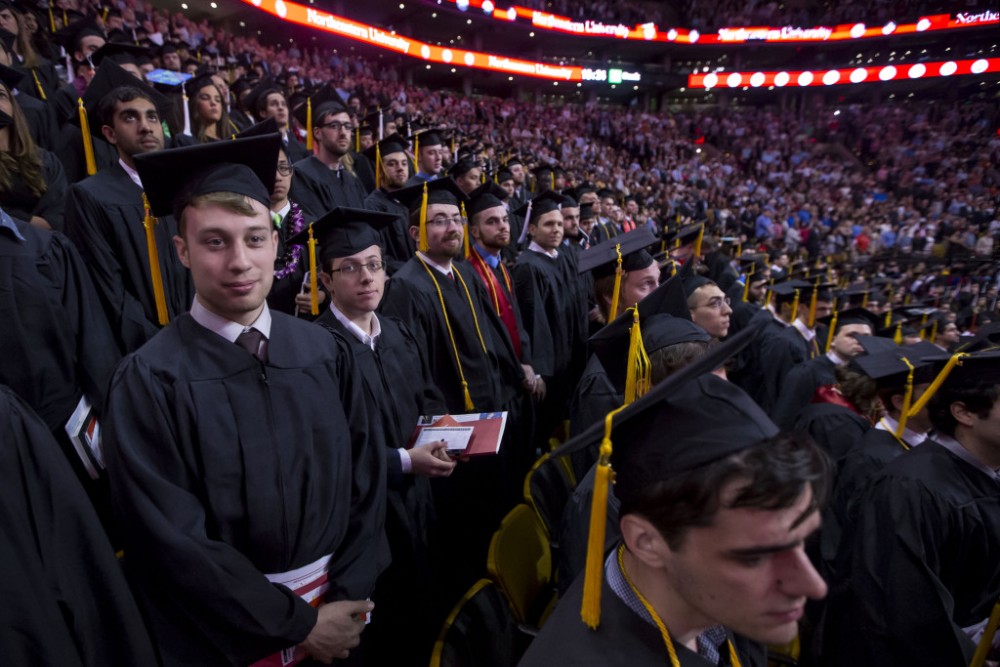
{"x": 378, "y": 167}
{"x": 897, "y": 337}
{"x": 104, "y": 14}
{"x": 38, "y": 84}
{"x": 52, "y": 19}
{"x": 637, "y": 377}
{"x": 469, "y": 405}
{"x": 552, "y": 181}
{"x": 465, "y": 230}
{"x": 313, "y": 287}
{"x": 795, "y": 307}
{"x": 613, "y": 313}
{"x": 590, "y": 610}
{"x": 697, "y": 243}
{"x": 88, "y": 143}
{"x": 746, "y": 284}
{"x": 934, "y": 331}
{"x": 357, "y": 139}
{"x": 812, "y": 306}
{"x": 938, "y": 381}
{"x": 155, "y": 275}
{"x": 416, "y": 150}
{"x": 864, "y": 301}
{"x": 309, "y": 123}
{"x": 833, "y": 328}
{"x": 888, "y": 319}
{"x": 904, "y": 414}
{"x": 423, "y": 246}
{"x": 986, "y": 642}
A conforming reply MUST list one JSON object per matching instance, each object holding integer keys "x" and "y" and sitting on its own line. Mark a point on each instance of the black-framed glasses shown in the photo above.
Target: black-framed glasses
{"x": 445, "y": 220}
{"x": 338, "y": 125}
{"x": 373, "y": 266}
{"x": 716, "y": 303}
{"x": 285, "y": 169}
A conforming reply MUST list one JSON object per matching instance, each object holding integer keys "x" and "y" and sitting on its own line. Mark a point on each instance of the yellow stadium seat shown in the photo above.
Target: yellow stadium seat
{"x": 480, "y": 632}
{"x": 520, "y": 563}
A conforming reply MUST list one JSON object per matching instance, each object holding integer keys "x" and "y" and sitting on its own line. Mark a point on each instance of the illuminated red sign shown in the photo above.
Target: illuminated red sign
{"x": 730, "y": 35}
{"x": 851, "y": 75}
{"x": 338, "y": 25}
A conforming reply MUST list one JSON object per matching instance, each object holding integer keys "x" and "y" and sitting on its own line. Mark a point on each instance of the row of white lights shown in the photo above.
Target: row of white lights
{"x": 832, "y": 77}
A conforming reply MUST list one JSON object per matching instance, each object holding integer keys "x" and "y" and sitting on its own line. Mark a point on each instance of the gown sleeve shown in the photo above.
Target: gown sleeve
{"x": 51, "y": 205}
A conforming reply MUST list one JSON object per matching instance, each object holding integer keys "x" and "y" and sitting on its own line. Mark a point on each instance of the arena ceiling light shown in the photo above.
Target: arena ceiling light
{"x": 849, "y": 76}
{"x": 649, "y": 31}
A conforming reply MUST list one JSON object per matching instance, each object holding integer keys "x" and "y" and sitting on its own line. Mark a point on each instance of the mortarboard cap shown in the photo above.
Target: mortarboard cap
{"x": 602, "y": 259}
{"x": 69, "y": 36}
{"x": 889, "y": 370}
{"x": 504, "y": 175}
{"x": 419, "y": 196}
{"x": 243, "y": 166}
{"x": 345, "y": 231}
{"x": 265, "y": 127}
{"x": 394, "y": 143}
{"x": 587, "y": 212}
{"x": 569, "y": 202}
{"x": 486, "y": 196}
{"x": 108, "y": 78}
{"x": 546, "y": 202}
{"x": 852, "y": 316}
{"x": 461, "y": 168}
{"x": 119, "y": 52}
{"x": 10, "y": 77}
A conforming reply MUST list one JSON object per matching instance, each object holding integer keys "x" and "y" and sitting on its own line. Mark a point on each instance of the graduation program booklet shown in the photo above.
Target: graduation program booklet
{"x": 483, "y": 430}
{"x": 84, "y": 431}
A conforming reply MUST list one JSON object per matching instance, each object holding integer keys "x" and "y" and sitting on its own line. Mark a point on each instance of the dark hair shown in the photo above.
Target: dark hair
{"x": 979, "y": 395}
{"x": 261, "y": 105}
{"x": 776, "y": 472}
{"x": 668, "y": 360}
{"x": 106, "y": 105}
{"x": 22, "y": 155}
{"x": 861, "y": 391}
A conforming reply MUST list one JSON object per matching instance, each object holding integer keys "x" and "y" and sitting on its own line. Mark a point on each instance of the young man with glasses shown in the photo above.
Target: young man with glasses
{"x": 322, "y": 181}
{"x": 393, "y": 168}
{"x": 399, "y": 390}
{"x": 710, "y": 307}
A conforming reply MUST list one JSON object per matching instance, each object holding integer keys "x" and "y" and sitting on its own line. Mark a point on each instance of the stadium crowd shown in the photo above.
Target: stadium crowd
{"x": 760, "y": 316}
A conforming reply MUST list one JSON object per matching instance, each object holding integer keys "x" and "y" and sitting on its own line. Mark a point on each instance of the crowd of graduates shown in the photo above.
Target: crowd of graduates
{"x": 750, "y": 287}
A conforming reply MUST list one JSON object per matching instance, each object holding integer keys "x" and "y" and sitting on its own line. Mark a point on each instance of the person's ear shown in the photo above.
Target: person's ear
{"x": 644, "y": 541}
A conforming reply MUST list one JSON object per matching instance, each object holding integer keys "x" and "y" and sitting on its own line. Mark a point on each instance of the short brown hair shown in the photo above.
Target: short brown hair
{"x": 230, "y": 201}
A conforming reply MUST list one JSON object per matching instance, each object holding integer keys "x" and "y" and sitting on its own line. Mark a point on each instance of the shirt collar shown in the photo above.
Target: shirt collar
{"x": 539, "y": 249}
{"x": 492, "y": 260}
{"x": 910, "y": 437}
{"x": 283, "y": 211}
{"x": 956, "y": 448}
{"x": 132, "y": 173}
{"x": 226, "y": 328}
{"x": 801, "y": 327}
{"x": 356, "y": 331}
{"x": 7, "y": 222}
{"x": 447, "y": 271}
{"x": 837, "y": 361}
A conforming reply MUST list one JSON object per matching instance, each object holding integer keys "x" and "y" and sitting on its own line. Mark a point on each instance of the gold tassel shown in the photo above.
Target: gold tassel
{"x": 469, "y": 405}
{"x": 746, "y": 283}
{"x": 465, "y": 230}
{"x": 986, "y": 642}
{"x": 888, "y": 319}
{"x": 38, "y": 84}
{"x": 697, "y": 243}
{"x": 52, "y": 19}
{"x": 88, "y": 143}
{"x": 309, "y": 123}
{"x": 864, "y": 301}
{"x": 155, "y": 275}
{"x": 422, "y": 246}
{"x": 833, "y": 328}
{"x": 934, "y": 331}
{"x": 904, "y": 414}
{"x": 378, "y": 167}
{"x": 552, "y": 181}
{"x": 897, "y": 337}
{"x": 795, "y": 307}
{"x": 938, "y": 381}
{"x": 357, "y": 139}
{"x": 613, "y": 313}
{"x": 314, "y": 288}
{"x": 416, "y": 150}
{"x": 590, "y": 610}
{"x": 812, "y": 306}
{"x": 637, "y": 377}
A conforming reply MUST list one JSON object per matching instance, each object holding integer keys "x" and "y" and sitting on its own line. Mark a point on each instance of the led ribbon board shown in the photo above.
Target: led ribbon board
{"x": 392, "y": 41}
{"x": 650, "y": 32}
{"x": 850, "y": 75}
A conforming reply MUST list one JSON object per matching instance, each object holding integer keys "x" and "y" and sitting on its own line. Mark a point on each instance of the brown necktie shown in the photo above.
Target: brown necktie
{"x": 250, "y": 341}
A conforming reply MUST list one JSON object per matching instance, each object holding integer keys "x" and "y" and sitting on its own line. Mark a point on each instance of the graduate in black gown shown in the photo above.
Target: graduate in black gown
{"x": 322, "y": 181}
{"x": 778, "y": 347}
{"x": 65, "y": 600}
{"x": 472, "y": 363}
{"x": 684, "y": 586}
{"x": 392, "y": 171}
{"x": 841, "y": 413}
{"x": 106, "y": 214}
{"x": 398, "y": 390}
{"x": 238, "y": 441}
{"x": 805, "y": 378}
{"x": 925, "y": 555}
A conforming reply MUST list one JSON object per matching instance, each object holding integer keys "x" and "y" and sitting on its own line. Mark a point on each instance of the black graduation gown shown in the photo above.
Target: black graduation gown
{"x": 574, "y": 529}
{"x": 365, "y": 170}
{"x": 105, "y": 218}
{"x": 285, "y": 289}
{"x": 835, "y": 428}
{"x": 798, "y": 388}
{"x": 319, "y": 188}
{"x": 73, "y": 159}
{"x": 223, "y": 468}
{"x": 399, "y": 245}
{"x": 623, "y": 638}
{"x": 594, "y": 398}
{"x": 747, "y": 370}
{"x": 21, "y": 203}
{"x": 41, "y": 122}
{"x": 925, "y": 562}
{"x": 295, "y": 150}
{"x": 471, "y": 502}
{"x": 398, "y": 390}
{"x": 780, "y": 350}
{"x": 56, "y": 341}
{"x": 65, "y": 599}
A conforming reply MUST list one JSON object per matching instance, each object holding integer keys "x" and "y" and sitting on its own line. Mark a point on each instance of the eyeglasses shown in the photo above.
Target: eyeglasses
{"x": 445, "y": 220}
{"x": 373, "y": 266}
{"x": 336, "y": 125}
{"x": 285, "y": 169}
{"x": 715, "y": 303}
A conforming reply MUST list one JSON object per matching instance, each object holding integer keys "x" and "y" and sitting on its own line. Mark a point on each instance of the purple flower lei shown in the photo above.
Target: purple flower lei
{"x": 298, "y": 224}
